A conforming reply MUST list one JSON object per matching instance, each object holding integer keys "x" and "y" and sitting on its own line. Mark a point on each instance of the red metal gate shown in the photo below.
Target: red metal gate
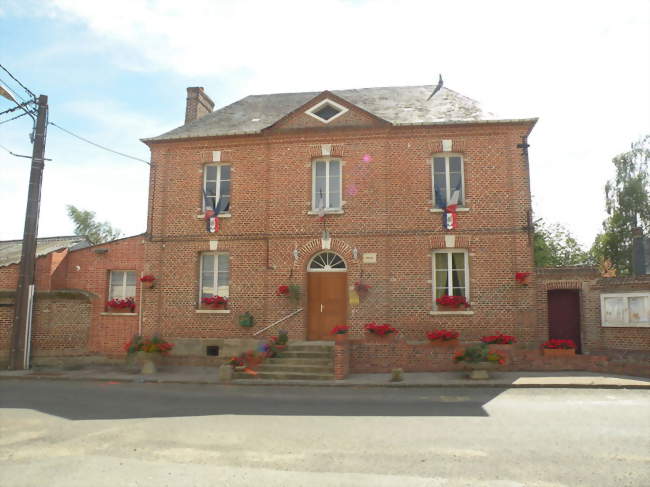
{"x": 564, "y": 315}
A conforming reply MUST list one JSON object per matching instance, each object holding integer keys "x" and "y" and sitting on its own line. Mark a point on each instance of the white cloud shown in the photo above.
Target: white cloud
{"x": 581, "y": 66}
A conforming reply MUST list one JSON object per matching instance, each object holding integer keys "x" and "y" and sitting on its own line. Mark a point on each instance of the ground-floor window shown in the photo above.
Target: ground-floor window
{"x": 450, "y": 273}
{"x": 628, "y": 309}
{"x": 215, "y": 275}
{"x": 122, "y": 285}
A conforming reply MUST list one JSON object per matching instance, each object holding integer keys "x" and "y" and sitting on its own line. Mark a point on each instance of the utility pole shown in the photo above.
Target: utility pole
{"x": 21, "y": 332}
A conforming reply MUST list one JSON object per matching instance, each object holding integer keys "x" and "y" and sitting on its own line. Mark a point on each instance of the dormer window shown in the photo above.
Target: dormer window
{"x": 326, "y": 111}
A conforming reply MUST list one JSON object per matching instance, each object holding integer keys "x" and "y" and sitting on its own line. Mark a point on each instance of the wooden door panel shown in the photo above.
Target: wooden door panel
{"x": 327, "y": 303}
{"x": 564, "y": 315}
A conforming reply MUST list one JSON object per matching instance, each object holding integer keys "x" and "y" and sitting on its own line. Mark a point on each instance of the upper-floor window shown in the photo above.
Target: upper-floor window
{"x": 448, "y": 180}
{"x": 326, "y": 185}
{"x": 215, "y": 275}
{"x": 122, "y": 285}
{"x": 450, "y": 273}
{"x": 628, "y": 309}
{"x": 216, "y": 187}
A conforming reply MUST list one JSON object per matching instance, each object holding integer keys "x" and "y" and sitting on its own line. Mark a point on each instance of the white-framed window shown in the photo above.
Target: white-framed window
{"x": 215, "y": 275}
{"x": 625, "y": 309}
{"x": 122, "y": 285}
{"x": 326, "y": 184}
{"x": 216, "y": 187}
{"x": 448, "y": 180}
{"x": 450, "y": 273}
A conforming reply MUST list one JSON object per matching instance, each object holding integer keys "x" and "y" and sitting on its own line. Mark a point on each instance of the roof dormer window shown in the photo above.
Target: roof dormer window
{"x": 326, "y": 111}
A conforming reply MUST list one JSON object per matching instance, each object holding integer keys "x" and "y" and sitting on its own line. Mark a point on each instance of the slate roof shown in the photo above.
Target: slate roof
{"x": 11, "y": 250}
{"x": 403, "y": 105}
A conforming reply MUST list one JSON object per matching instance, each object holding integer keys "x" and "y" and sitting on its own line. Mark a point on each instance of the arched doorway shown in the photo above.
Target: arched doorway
{"x": 327, "y": 294}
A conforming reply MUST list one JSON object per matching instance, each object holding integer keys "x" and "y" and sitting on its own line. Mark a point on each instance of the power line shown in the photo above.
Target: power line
{"x": 17, "y": 107}
{"x": 19, "y": 155}
{"x": 98, "y": 145}
{"x": 22, "y": 85}
{"x": 14, "y": 118}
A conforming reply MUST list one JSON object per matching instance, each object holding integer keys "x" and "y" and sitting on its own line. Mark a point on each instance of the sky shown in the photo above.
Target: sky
{"x": 116, "y": 72}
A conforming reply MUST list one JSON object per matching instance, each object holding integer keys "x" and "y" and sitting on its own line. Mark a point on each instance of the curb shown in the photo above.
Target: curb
{"x": 251, "y": 383}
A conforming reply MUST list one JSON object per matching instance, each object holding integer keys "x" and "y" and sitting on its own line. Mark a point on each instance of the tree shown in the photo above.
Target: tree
{"x": 555, "y": 246}
{"x": 85, "y": 224}
{"x": 628, "y": 206}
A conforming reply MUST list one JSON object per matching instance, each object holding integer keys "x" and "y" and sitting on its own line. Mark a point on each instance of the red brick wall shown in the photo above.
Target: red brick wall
{"x": 387, "y": 203}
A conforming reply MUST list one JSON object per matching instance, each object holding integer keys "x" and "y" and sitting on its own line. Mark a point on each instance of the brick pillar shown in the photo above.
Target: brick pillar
{"x": 341, "y": 360}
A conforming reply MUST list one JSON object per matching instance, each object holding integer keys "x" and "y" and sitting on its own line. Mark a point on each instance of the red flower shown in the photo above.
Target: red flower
{"x": 339, "y": 330}
{"x": 147, "y": 278}
{"x": 214, "y": 300}
{"x": 121, "y": 303}
{"x": 283, "y": 291}
{"x": 556, "y": 343}
{"x": 452, "y": 301}
{"x": 443, "y": 335}
{"x": 381, "y": 330}
{"x": 521, "y": 276}
{"x": 499, "y": 339}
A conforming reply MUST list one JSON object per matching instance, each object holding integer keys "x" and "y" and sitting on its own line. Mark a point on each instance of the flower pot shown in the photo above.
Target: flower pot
{"x": 340, "y": 338}
{"x": 148, "y": 362}
{"x": 220, "y": 306}
{"x": 147, "y": 284}
{"x": 480, "y": 370}
{"x": 121, "y": 310}
{"x": 374, "y": 338}
{"x": 444, "y": 343}
{"x": 239, "y": 368}
{"x": 442, "y": 307}
{"x": 559, "y": 352}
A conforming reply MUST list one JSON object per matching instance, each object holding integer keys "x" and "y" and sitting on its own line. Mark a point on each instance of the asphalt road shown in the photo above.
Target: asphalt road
{"x": 61, "y": 433}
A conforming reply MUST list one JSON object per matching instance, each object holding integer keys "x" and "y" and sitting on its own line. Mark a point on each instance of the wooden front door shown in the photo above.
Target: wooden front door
{"x": 327, "y": 298}
{"x": 564, "y": 315}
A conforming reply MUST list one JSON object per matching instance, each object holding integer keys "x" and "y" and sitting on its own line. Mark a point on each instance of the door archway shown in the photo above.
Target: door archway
{"x": 327, "y": 294}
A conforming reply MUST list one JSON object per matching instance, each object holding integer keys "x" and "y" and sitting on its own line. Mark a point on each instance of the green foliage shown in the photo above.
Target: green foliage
{"x": 627, "y": 199}
{"x": 555, "y": 246}
{"x": 85, "y": 224}
{"x": 294, "y": 293}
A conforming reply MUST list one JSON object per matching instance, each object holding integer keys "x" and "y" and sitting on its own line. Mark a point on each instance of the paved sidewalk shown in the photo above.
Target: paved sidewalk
{"x": 209, "y": 375}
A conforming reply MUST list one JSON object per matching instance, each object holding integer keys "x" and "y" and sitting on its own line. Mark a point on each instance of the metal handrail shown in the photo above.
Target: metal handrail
{"x": 279, "y": 321}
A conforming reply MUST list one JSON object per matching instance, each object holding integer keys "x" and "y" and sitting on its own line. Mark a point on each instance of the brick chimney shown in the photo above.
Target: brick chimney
{"x": 198, "y": 104}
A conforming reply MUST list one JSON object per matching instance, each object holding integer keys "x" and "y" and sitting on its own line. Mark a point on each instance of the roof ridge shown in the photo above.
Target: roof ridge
{"x": 62, "y": 237}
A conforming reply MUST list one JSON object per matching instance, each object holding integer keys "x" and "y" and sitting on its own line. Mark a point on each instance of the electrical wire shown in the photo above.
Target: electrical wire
{"x": 98, "y": 145}
{"x": 14, "y": 118}
{"x": 17, "y": 107}
{"x": 22, "y": 85}
{"x": 20, "y": 155}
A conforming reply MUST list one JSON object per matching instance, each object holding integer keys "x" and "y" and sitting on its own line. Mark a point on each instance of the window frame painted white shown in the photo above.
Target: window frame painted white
{"x": 326, "y": 101}
{"x": 218, "y": 181}
{"x": 215, "y": 271}
{"x": 450, "y": 271}
{"x": 314, "y": 199}
{"x": 626, "y": 318}
{"x": 123, "y": 286}
{"x": 447, "y": 156}
{"x": 327, "y": 268}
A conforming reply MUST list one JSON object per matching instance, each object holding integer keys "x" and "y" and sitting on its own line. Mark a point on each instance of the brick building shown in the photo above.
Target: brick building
{"x": 324, "y": 190}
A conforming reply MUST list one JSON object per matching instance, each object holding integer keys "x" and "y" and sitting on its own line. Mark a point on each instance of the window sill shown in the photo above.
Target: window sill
{"x": 221, "y": 215}
{"x": 626, "y": 325}
{"x": 118, "y": 314}
{"x": 212, "y": 311}
{"x": 462, "y": 313}
{"x": 327, "y": 212}
{"x": 439, "y": 210}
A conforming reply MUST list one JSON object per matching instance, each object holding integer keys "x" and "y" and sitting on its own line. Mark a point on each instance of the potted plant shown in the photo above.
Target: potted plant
{"x": 559, "y": 348}
{"x": 214, "y": 302}
{"x": 380, "y": 331}
{"x": 478, "y": 359}
{"x": 451, "y": 303}
{"x": 237, "y": 363}
{"x": 340, "y": 333}
{"x": 147, "y": 281}
{"x": 117, "y": 305}
{"x": 523, "y": 278}
{"x": 148, "y": 351}
{"x": 443, "y": 338}
{"x": 361, "y": 289}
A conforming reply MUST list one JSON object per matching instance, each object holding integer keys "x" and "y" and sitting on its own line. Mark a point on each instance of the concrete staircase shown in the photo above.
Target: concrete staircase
{"x": 300, "y": 361}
